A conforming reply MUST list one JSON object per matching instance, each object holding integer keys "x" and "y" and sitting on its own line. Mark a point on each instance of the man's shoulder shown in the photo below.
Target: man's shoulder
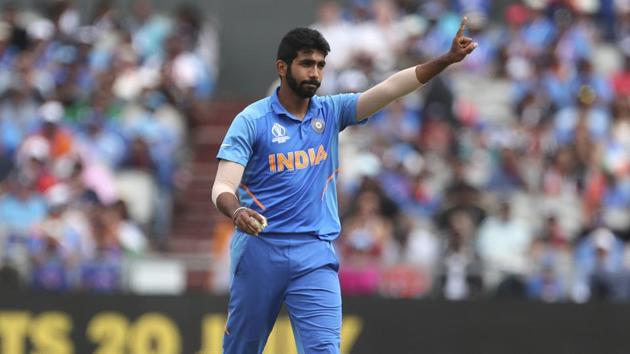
{"x": 337, "y": 97}
{"x": 256, "y": 110}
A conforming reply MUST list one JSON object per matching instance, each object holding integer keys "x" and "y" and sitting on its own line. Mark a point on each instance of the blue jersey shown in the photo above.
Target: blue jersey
{"x": 291, "y": 164}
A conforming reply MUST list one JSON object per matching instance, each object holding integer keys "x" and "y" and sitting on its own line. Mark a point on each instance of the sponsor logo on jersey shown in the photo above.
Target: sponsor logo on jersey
{"x": 297, "y": 160}
{"x": 280, "y": 133}
{"x": 318, "y": 125}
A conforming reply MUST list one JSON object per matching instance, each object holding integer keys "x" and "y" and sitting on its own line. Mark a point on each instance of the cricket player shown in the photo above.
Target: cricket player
{"x": 276, "y": 181}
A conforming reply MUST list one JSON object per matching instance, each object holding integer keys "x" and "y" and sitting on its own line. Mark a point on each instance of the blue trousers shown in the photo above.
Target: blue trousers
{"x": 298, "y": 270}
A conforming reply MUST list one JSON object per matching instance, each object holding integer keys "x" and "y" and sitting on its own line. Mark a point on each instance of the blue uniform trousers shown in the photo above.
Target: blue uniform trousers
{"x": 299, "y": 270}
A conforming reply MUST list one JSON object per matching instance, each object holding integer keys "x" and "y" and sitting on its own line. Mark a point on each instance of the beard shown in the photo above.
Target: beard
{"x": 303, "y": 88}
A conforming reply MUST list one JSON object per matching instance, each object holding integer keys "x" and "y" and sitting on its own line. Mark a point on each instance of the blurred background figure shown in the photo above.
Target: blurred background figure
{"x": 599, "y": 267}
{"x": 367, "y": 238}
{"x": 503, "y": 242}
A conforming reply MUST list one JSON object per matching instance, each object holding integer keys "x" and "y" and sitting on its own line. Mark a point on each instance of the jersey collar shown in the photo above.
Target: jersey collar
{"x": 277, "y": 108}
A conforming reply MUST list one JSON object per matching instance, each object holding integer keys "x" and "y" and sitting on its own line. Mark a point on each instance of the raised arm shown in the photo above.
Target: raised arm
{"x": 410, "y": 79}
{"x": 226, "y": 183}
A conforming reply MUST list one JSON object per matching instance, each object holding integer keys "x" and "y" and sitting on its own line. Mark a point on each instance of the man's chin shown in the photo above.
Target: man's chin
{"x": 307, "y": 93}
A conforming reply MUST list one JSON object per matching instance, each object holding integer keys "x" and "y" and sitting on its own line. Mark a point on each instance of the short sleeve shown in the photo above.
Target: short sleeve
{"x": 238, "y": 143}
{"x": 346, "y": 106}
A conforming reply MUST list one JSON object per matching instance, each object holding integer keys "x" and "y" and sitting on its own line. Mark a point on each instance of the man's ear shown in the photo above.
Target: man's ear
{"x": 282, "y": 67}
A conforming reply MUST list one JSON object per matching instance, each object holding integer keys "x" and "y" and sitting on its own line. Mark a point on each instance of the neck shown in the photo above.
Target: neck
{"x": 293, "y": 103}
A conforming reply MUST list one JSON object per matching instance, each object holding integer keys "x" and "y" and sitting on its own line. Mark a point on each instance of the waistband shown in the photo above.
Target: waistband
{"x": 290, "y": 236}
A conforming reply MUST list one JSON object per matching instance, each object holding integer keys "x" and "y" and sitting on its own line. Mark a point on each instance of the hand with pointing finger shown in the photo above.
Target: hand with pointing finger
{"x": 461, "y": 45}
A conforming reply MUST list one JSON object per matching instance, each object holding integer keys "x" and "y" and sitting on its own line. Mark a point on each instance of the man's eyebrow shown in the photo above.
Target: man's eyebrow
{"x": 311, "y": 61}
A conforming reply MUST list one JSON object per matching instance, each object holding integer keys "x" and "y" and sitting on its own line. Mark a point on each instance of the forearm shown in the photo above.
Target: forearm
{"x": 379, "y": 96}
{"x": 426, "y": 71}
{"x": 226, "y": 183}
{"x": 408, "y": 80}
{"x": 227, "y": 203}
{"x": 398, "y": 85}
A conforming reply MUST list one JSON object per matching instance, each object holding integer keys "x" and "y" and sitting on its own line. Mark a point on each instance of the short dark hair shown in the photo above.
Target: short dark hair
{"x": 298, "y": 39}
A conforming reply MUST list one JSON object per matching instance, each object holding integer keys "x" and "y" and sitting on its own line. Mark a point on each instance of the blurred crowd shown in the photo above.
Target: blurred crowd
{"x": 94, "y": 114}
{"x": 506, "y": 176}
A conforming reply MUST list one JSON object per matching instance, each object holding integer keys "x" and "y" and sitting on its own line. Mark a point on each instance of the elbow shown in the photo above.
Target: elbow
{"x": 214, "y": 195}
{"x": 219, "y": 188}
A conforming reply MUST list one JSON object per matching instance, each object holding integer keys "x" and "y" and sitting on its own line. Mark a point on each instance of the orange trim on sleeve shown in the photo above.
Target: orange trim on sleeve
{"x": 330, "y": 178}
{"x": 246, "y": 189}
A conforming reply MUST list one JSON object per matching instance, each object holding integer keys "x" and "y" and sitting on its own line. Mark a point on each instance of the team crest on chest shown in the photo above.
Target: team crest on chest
{"x": 280, "y": 133}
{"x": 318, "y": 125}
